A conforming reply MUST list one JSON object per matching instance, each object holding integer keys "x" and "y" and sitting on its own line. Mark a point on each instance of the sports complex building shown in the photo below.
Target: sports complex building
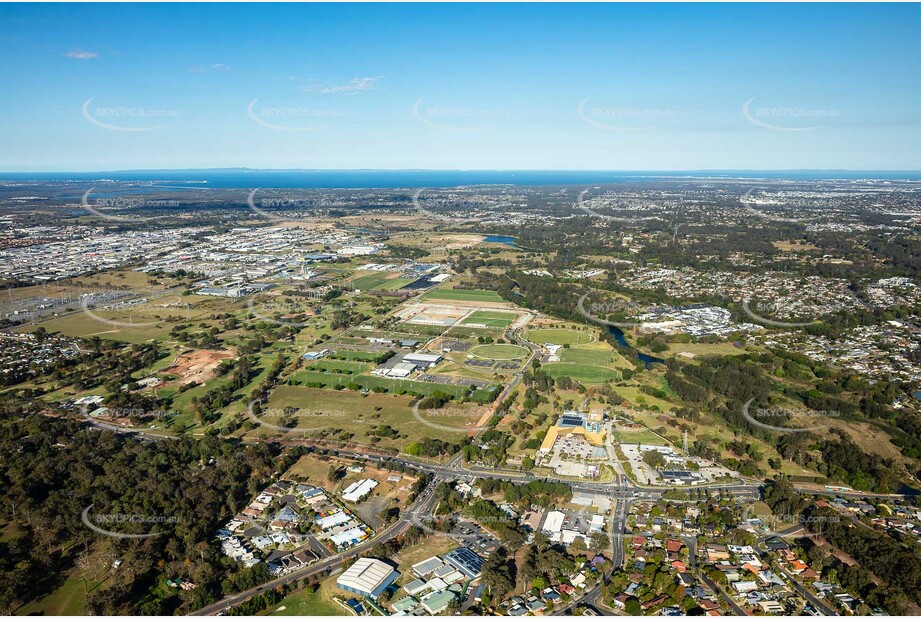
{"x": 368, "y": 577}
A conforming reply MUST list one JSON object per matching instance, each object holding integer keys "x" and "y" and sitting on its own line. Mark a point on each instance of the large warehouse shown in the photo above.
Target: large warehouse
{"x": 368, "y": 577}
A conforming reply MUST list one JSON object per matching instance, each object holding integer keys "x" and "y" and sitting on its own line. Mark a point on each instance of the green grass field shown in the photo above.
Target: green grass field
{"x": 336, "y": 366}
{"x": 80, "y": 324}
{"x": 499, "y": 351}
{"x": 355, "y": 355}
{"x": 638, "y": 436}
{"x": 306, "y": 603}
{"x": 370, "y": 382}
{"x": 582, "y": 356}
{"x": 704, "y": 349}
{"x": 354, "y": 412}
{"x": 640, "y": 399}
{"x": 462, "y": 332}
{"x": 68, "y": 600}
{"x": 370, "y": 282}
{"x": 380, "y": 281}
{"x": 137, "y": 323}
{"x": 559, "y": 336}
{"x": 495, "y": 319}
{"x": 395, "y": 284}
{"x": 421, "y": 329}
{"x": 588, "y": 374}
{"x": 483, "y": 296}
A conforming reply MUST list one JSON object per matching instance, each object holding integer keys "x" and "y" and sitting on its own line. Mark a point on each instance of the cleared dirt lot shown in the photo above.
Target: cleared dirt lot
{"x": 197, "y": 365}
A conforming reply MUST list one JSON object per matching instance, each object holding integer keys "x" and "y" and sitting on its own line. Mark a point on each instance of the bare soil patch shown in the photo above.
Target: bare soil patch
{"x": 197, "y": 365}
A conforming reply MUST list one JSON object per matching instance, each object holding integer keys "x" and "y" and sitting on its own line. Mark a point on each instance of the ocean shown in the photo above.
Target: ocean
{"x": 395, "y": 179}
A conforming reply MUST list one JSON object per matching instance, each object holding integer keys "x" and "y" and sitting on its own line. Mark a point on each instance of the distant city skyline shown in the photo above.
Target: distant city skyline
{"x": 621, "y": 87}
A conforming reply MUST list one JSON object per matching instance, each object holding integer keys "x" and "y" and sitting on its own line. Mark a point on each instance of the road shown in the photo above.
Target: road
{"x": 621, "y": 491}
{"x": 421, "y": 507}
{"x": 709, "y": 583}
{"x": 821, "y": 606}
{"x": 619, "y": 512}
{"x": 590, "y": 597}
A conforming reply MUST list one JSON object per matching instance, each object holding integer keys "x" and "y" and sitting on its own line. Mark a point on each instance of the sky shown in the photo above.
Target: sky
{"x": 95, "y": 87}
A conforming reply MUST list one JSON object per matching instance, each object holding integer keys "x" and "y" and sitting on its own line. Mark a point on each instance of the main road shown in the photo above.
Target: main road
{"x": 420, "y": 507}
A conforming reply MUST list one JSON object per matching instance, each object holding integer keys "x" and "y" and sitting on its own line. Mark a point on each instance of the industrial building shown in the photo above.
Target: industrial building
{"x": 465, "y": 561}
{"x": 424, "y": 360}
{"x": 358, "y": 490}
{"x": 368, "y": 577}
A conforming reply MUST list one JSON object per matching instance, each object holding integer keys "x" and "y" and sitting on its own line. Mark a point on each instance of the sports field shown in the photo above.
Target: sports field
{"x": 559, "y": 336}
{"x": 497, "y": 319}
{"x": 395, "y": 284}
{"x": 355, "y": 355}
{"x": 334, "y": 366}
{"x": 587, "y": 374}
{"x": 483, "y": 296}
{"x": 499, "y": 351}
{"x": 319, "y": 379}
{"x": 587, "y": 357}
{"x": 379, "y": 281}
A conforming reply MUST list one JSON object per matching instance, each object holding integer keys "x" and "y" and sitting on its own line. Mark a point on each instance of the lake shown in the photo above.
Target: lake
{"x": 509, "y": 241}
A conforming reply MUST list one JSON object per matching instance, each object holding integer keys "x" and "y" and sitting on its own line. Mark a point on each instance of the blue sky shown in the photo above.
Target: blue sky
{"x": 510, "y": 86}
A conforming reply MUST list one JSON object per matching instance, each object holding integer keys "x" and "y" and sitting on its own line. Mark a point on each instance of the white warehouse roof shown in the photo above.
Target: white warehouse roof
{"x": 366, "y": 575}
{"x": 422, "y": 358}
{"x": 358, "y": 489}
{"x": 554, "y": 521}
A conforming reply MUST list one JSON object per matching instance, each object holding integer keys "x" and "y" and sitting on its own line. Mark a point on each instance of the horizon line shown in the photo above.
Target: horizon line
{"x": 457, "y": 169}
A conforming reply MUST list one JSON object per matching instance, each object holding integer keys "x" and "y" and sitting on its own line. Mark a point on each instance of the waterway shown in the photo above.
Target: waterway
{"x": 509, "y": 241}
{"x": 618, "y": 335}
{"x": 366, "y": 179}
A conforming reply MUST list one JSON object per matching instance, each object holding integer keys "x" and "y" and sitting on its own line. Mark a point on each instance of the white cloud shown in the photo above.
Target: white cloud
{"x": 79, "y": 54}
{"x": 358, "y": 84}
